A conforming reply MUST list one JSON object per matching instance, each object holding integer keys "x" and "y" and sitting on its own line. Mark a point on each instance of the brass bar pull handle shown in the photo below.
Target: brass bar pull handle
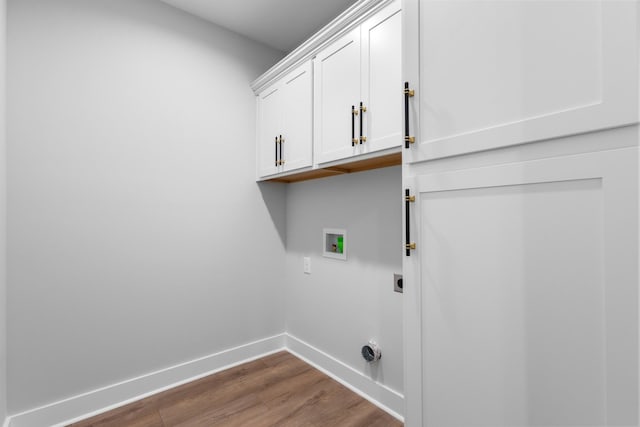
{"x": 354, "y": 113}
{"x": 409, "y": 245}
{"x": 281, "y": 141}
{"x": 276, "y": 157}
{"x": 362, "y": 110}
{"x": 407, "y": 94}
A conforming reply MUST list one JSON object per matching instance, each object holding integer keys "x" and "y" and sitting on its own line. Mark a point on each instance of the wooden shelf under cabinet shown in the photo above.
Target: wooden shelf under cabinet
{"x": 394, "y": 159}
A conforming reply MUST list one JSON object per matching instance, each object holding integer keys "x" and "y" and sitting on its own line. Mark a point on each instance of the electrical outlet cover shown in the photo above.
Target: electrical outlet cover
{"x": 397, "y": 283}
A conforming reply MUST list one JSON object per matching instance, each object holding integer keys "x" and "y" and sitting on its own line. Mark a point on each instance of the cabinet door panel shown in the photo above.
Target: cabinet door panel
{"x": 381, "y": 78}
{"x": 268, "y": 128}
{"x": 337, "y": 88}
{"x": 529, "y": 293}
{"x": 498, "y": 73}
{"x": 297, "y": 114}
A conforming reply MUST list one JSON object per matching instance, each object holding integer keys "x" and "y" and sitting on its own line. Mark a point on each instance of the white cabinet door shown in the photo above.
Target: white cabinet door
{"x": 362, "y": 67}
{"x": 297, "y": 115}
{"x": 337, "y": 89}
{"x": 269, "y": 128}
{"x": 285, "y": 123}
{"x": 494, "y": 73}
{"x": 527, "y": 296}
{"x": 381, "y": 79}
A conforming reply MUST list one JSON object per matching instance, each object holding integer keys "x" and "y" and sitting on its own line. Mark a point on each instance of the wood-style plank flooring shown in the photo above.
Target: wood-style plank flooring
{"x": 278, "y": 390}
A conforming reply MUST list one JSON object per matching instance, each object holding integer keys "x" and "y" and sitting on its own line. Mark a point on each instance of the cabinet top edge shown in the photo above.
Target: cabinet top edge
{"x": 351, "y": 17}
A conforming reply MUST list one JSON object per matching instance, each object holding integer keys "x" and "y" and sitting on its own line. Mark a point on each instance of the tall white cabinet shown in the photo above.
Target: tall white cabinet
{"x": 521, "y": 295}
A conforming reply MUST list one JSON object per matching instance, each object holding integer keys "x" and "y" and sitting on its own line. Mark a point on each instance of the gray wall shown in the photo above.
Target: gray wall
{"x": 138, "y": 237}
{"x": 3, "y": 215}
{"x": 342, "y": 304}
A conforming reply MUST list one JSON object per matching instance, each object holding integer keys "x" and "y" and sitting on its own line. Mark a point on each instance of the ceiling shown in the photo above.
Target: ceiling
{"x": 280, "y": 24}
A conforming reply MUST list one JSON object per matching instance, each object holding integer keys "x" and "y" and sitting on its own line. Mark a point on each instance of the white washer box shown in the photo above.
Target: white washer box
{"x": 334, "y": 243}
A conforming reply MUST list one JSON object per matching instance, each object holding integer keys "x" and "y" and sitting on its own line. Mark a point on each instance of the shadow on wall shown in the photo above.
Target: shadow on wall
{"x": 274, "y": 195}
{"x": 163, "y": 19}
{"x": 368, "y": 205}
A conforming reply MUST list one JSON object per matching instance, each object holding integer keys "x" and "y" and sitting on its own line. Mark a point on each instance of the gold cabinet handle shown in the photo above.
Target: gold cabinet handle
{"x": 362, "y": 110}
{"x": 408, "y": 199}
{"x": 408, "y": 93}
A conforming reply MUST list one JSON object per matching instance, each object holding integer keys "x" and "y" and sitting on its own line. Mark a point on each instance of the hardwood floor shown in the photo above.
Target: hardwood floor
{"x": 278, "y": 390}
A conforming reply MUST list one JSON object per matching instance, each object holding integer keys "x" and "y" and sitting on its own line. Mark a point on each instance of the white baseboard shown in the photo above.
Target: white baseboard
{"x": 104, "y": 399}
{"x": 379, "y": 394}
{"x": 107, "y": 398}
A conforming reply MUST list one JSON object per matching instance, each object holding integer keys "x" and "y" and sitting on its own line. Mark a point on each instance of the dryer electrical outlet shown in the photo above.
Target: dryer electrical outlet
{"x": 397, "y": 283}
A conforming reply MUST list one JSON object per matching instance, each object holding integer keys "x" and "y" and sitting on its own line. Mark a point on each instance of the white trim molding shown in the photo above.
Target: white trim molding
{"x": 107, "y": 398}
{"x": 104, "y": 399}
{"x": 348, "y": 19}
{"x": 375, "y": 392}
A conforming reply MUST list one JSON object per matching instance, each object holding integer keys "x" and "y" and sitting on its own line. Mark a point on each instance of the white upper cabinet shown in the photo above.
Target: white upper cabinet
{"x": 285, "y": 123}
{"x": 296, "y": 110}
{"x": 358, "y": 89}
{"x": 268, "y": 128}
{"x": 337, "y": 91}
{"x": 381, "y": 86}
{"x": 494, "y": 73}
